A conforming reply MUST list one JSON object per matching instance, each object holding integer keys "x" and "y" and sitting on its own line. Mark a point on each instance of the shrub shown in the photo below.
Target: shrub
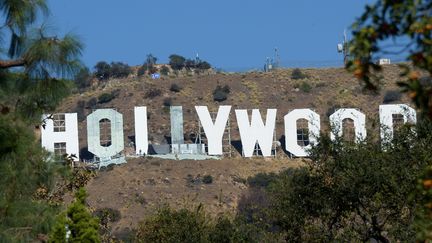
{"x": 221, "y": 93}
{"x": 298, "y": 74}
{"x": 261, "y": 180}
{"x": 185, "y": 225}
{"x": 189, "y": 64}
{"x": 164, "y": 70}
{"x": 82, "y": 225}
{"x": 152, "y": 92}
{"x": 169, "y": 225}
{"x": 222, "y": 231}
{"x": 207, "y": 179}
{"x": 79, "y": 178}
{"x": 203, "y": 65}
{"x": 252, "y": 207}
{"x": 105, "y": 98}
{"x": 119, "y": 70}
{"x": 175, "y": 88}
{"x": 146, "y": 68}
{"x": 102, "y": 70}
{"x": 107, "y": 215}
{"x": 391, "y": 96}
{"x": 305, "y": 87}
{"x": 219, "y": 96}
{"x": 344, "y": 182}
{"x": 177, "y": 62}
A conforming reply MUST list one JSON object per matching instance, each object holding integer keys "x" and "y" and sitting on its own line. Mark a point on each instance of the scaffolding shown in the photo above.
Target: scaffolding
{"x": 257, "y": 149}
{"x": 226, "y": 138}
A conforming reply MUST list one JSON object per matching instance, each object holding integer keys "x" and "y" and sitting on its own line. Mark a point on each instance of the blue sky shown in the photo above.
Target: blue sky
{"x": 232, "y": 35}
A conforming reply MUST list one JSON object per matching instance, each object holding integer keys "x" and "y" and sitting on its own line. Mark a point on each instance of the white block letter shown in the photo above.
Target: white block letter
{"x": 255, "y": 131}
{"x": 61, "y": 130}
{"x": 359, "y": 119}
{"x": 93, "y": 133}
{"x": 141, "y": 132}
{"x": 214, "y": 131}
{"x": 386, "y": 113}
{"x": 291, "y": 130}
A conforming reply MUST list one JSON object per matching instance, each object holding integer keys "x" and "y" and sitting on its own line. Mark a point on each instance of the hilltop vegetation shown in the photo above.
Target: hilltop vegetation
{"x": 154, "y": 181}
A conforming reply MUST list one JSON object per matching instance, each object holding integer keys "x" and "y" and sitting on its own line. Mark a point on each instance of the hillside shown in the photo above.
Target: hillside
{"x": 323, "y": 90}
{"x": 137, "y": 187}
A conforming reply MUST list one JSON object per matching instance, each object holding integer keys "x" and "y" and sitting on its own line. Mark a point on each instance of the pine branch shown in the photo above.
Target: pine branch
{"x": 12, "y": 63}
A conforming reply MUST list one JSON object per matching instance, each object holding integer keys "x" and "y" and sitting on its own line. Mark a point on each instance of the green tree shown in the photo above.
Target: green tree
{"x": 184, "y": 225}
{"x": 169, "y": 225}
{"x": 25, "y": 172}
{"x": 102, "y": 70}
{"x": 119, "y": 70}
{"x": 77, "y": 224}
{"x": 353, "y": 192}
{"x": 408, "y": 26}
{"x": 203, "y": 65}
{"x": 148, "y": 66}
{"x": 150, "y": 59}
{"x": 42, "y": 62}
{"x": 177, "y": 62}
{"x": 164, "y": 70}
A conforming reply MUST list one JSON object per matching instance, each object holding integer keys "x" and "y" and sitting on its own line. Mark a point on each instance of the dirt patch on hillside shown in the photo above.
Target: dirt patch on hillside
{"x": 137, "y": 188}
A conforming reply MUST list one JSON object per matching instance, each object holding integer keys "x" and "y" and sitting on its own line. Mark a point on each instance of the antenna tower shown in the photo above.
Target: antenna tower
{"x": 344, "y": 47}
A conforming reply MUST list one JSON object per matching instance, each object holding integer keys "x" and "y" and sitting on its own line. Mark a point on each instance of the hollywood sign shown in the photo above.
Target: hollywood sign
{"x": 253, "y": 130}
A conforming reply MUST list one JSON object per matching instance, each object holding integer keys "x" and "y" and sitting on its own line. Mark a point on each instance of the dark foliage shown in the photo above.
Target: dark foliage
{"x": 102, "y": 70}
{"x": 167, "y": 102}
{"x": 298, "y": 74}
{"x": 119, "y": 70}
{"x": 392, "y": 96}
{"x": 189, "y": 64}
{"x": 36, "y": 82}
{"x": 184, "y": 225}
{"x": 221, "y": 93}
{"x": 352, "y": 191}
{"x": 305, "y": 87}
{"x": 82, "y": 226}
{"x": 175, "y": 88}
{"x": 107, "y": 215}
{"x": 261, "y": 180}
{"x": 105, "y": 98}
{"x": 207, "y": 179}
{"x": 164, "y": 70}
{"x": 203, "y": 65}
{"x": 176, "y": 62}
